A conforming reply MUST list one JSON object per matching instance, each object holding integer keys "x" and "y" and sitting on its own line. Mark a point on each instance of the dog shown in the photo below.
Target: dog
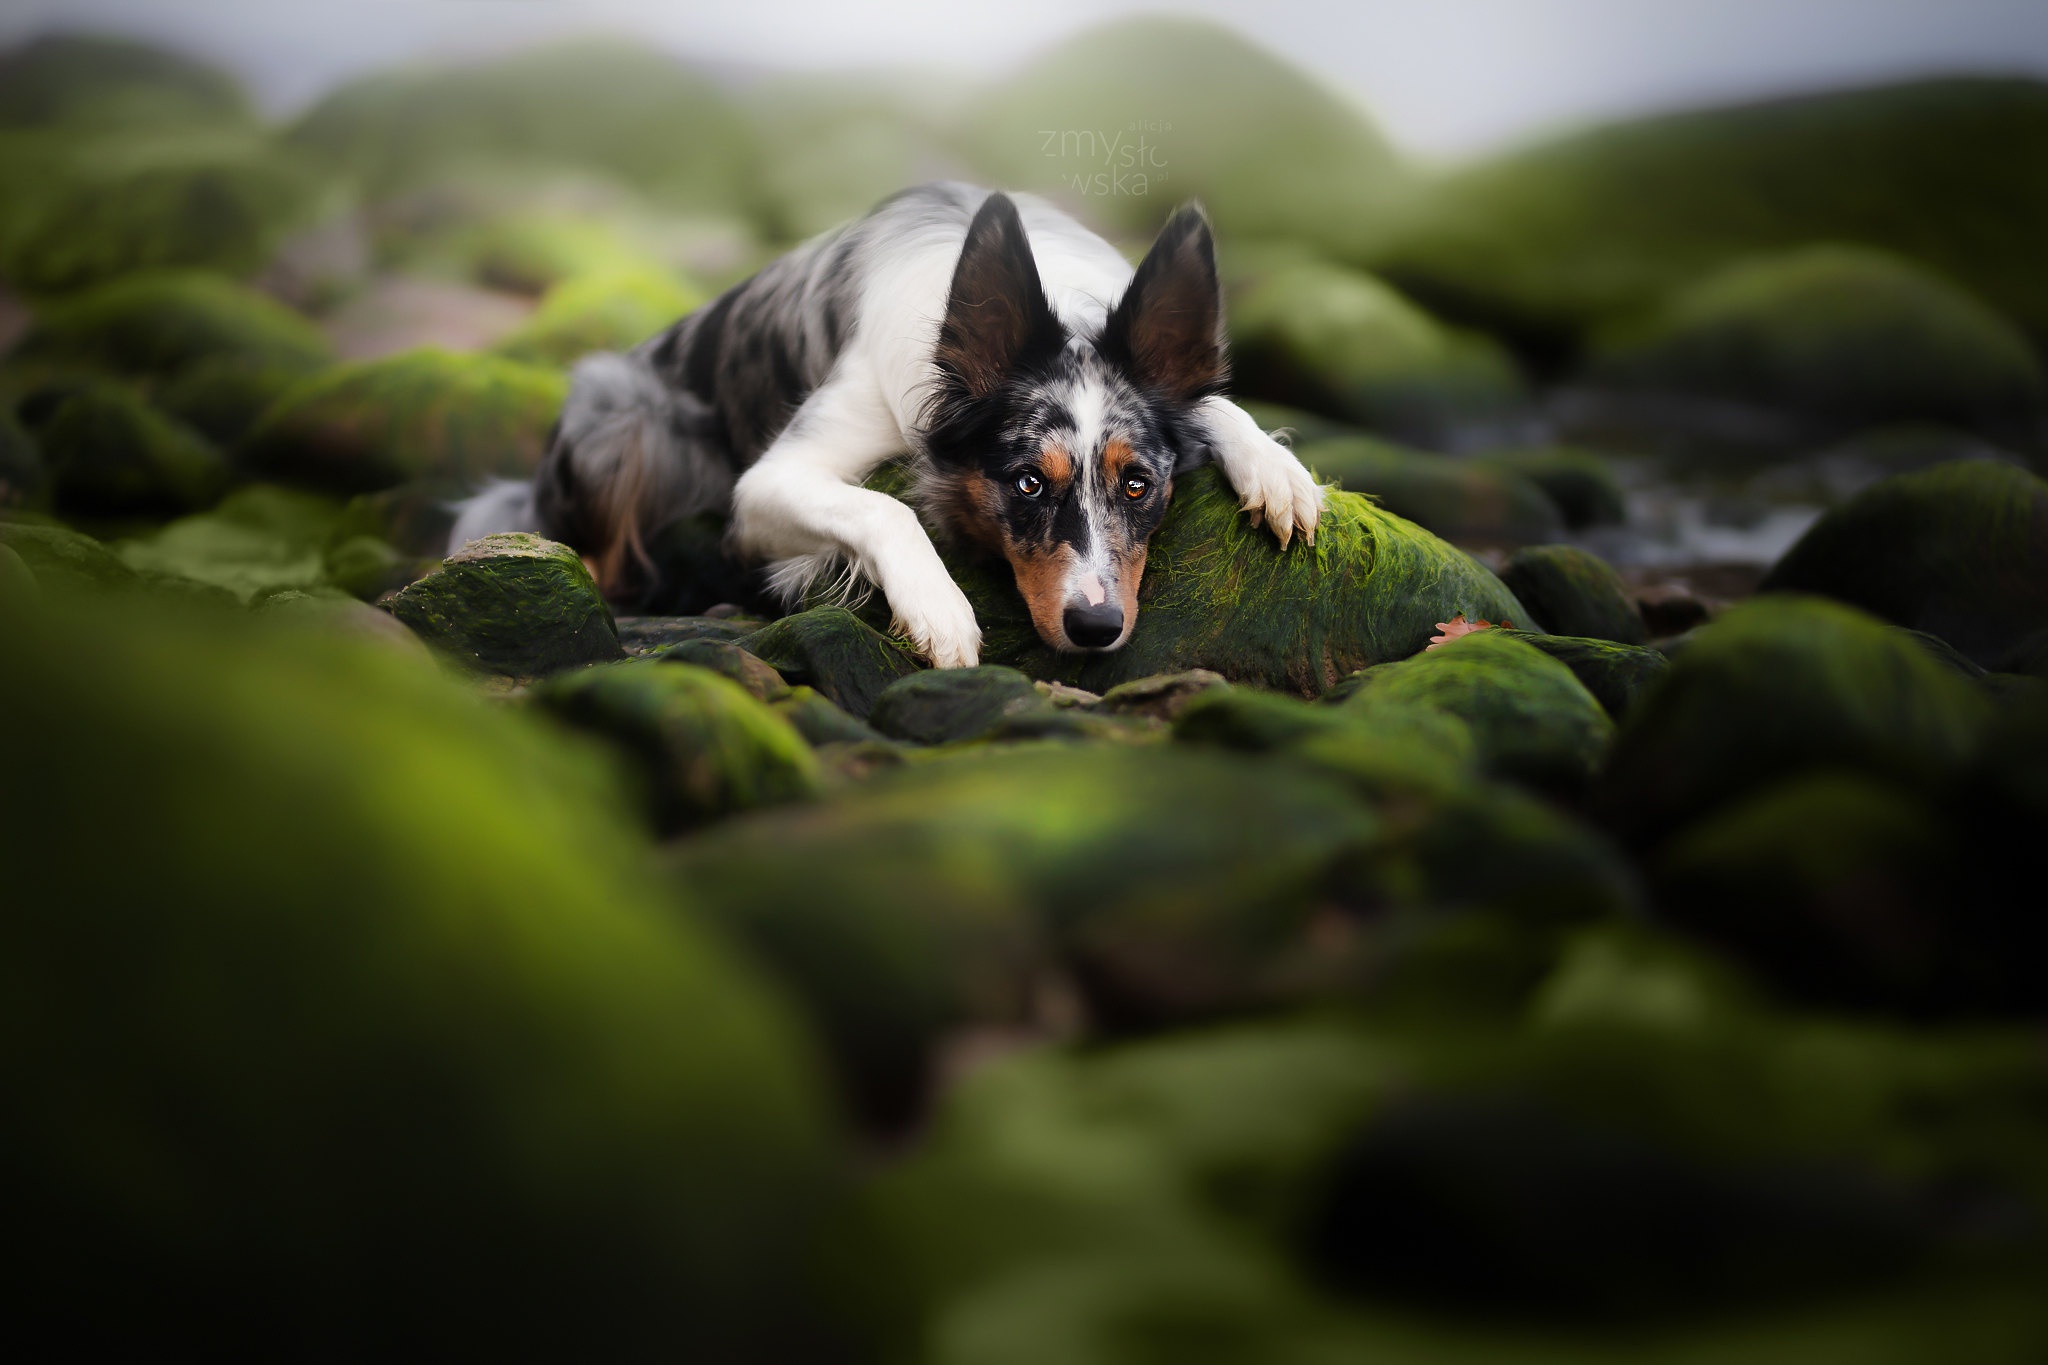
{"x": 1045, "y": 393}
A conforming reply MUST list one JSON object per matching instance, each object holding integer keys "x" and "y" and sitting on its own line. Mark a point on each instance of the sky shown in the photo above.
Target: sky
{"x": 1446, "y": 79}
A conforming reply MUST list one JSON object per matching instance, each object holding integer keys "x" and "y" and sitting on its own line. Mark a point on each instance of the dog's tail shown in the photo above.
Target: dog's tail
{"x": 628, "y": 455}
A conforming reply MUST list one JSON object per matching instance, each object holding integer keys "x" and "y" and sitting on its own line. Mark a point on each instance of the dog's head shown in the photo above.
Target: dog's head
{"x": 1058, "y": 450}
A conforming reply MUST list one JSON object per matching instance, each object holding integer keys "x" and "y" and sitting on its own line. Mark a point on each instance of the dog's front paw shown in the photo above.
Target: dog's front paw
{"x": 1273, "y": 487}
{"x": 939, "y": 622}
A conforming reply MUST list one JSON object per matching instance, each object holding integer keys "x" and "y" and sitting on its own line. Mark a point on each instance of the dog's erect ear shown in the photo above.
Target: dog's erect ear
{"x": 997, "y": 315}
{"x": 1167, "y": 330}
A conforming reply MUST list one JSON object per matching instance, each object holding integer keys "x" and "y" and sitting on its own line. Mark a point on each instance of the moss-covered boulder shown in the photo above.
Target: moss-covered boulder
{"x": 701, "y": 745}
{"x": 1531, "y": 718}
{"x": 425, "y": 413}
{"x": 1581, "y": 483}
{"x": 1338, "y": 341}
{"x": 832, "y": 650}
{"x": 380, "y": 992}
{"x": 1220, "y": 594}
{"x": 609, "y": 311}
{"x": 1460, "y": 500}
{"x": 156, "y": 324}
{"x": 513, "y": 605}
{"x": 821, "y": 723}
{"x": 946, "y": 705}
{"x": 1959, "y": 551}
{"x": 259, "y": 539}
{"x": 1776, "y": 687}
{"x": 724, "y": 657}
{"x": 66, "y": 560}
{"x": 1574, "y": 592}
{"x": 112, "y": 455}
{"x": 1615, "y": 674}
{"x": 1846, "y": 337}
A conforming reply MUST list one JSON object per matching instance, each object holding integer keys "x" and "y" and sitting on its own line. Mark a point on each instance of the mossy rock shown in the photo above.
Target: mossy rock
{"x": 1338, "y": 341}
{"x": 1615, "y": 674}
{"x": 157, "y": 324}
{"x": 66, "y": 560}
{"x": 953, "y": 881}
{"x": 1580, "y": 482}
{"x": 611, "y": 108}
{"x": 1214, "y": 109}
{"x": 1845, "y": 336}
{"x": 1959, "y": 551}
{"x": 1574, "y": 592}
{"x": 513, "y": 605}
{"x": 1533, "y": 721}
{"x": 944, "y": 706}
{"x": 22, "y": 474}
{"x": 724, "y": 657}
{"x": 834, "y": 651}
{"x": 86, "y": 79}
{"x": 102, "y": 204}
{"x": 1779, "y": 686}
{"x": 822, "y": 723}
{"x": 651, "y": 634}
{"x": 424, "y": 414}
{"x": 1163, "y": 696}
{"x": 259, "y": 539}
{"x": 223, "y": 399}
{"x": 427, "y": 1014}
{"x": 1548, "y": 241}
{"x": 610, "y": 311}
{"x": 702, "y": 746}
{"x": 112, "y": 455}
{"x": 1220, "y": 594}
{"x": 1460, "y": 500}
{"x": 531, "y": 251}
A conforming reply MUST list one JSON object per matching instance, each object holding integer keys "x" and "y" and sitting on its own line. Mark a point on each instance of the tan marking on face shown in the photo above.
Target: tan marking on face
{"x": 1116, "y": 457}
{"x": 1057, "y": 466}
{"x": 1042, "y": 578}
{"x": 971, "y": 506}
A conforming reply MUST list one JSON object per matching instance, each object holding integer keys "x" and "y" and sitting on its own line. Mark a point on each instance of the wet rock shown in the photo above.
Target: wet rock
{"x": 1532, "y": 720}
{"x": 1776, "y": 687}
{"x": 762, "y": 682}
{"x": 647, "y": 634}
{"x": 1581, "y": 484}
{"x": 943, "y": 706}
{"x": 1847, "y": 337}
{"x": 1220, "y": 594}
{"x": 1615, "y": 674}
{"x": 422, "y": 414}
{"x": 159, "y": 324}
{"x": 479, "y": 1022}
{"x": 1460, "y": 500}
{"x": 832, "y": 650}
{"x": 514, "y": 605}
{"x": 1164, "y": 696}
{"x": 704, "y": 747}
{"x": 110, "y": 454}
{"x": 1336, "y": 340}
{"x": 1959, "y": 551}
{"x": 606, "y": 311}
{"x": 1574, "y": 592}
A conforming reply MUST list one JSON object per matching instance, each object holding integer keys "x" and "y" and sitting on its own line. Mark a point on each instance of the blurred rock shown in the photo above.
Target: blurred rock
{"x": 1164, "y": 696}
{"x": 112, "y": 455}
{"x": 160, "y": 323}
{"x": 513, "y": 605}
{"x": 1615, "y": 674}
{"x": 1459, "y": 500}
{"x": 723, "y": 657}
{"x": 259, "y": 539}
{"x": 1582, "y": 484}
{"x": 942, "y": 706}
{"x": 609, "y": 311}
{"x": 1574, "y": 592}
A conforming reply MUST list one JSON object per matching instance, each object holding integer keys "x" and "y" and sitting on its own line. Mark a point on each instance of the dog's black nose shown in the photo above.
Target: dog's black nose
{"x": 1094, "y": 627}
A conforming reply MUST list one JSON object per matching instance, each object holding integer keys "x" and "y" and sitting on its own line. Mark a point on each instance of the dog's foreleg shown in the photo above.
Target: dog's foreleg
{"x": 802, "y": 499}
{"x": 1270, "y": 480}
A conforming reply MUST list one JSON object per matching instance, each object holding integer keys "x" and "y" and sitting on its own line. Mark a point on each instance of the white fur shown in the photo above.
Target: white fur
{"x": 501, "y": 505}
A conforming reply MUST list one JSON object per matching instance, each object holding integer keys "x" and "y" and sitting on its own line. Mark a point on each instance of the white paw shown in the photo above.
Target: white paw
{"x": 1273, "y": 486}
{"x": 931, "y": 610}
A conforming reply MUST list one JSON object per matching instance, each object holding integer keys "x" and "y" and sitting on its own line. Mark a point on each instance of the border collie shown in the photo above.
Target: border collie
{"x": 1045, "y": 393}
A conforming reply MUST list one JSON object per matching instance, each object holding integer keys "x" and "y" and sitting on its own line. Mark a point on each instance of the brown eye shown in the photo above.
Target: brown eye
{"x": 1136, "y": 488}
{"x": 1030, "y": 485}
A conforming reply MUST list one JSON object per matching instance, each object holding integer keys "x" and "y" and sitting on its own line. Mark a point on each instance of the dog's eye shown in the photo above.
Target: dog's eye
{"x": 1030, "y": 485}
{"x": 1136, "y": 488}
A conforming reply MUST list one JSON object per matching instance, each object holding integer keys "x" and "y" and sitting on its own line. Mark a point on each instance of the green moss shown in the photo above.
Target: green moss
{"x": 703, "y": 747}
{"x": 1779, "y": 686}
{"x": 820, "y": 722}
{"x": 92, "y": 80}
{"x": 1457, "y": 499}
{"x": 514, "y": 605}
{"x": 605, "y": 107}
{"x": 1959, "y": 551}
{"x": 1220, "y": 594}
{"x": 222, "y": 399}
{"x": 426, "y": 1014}
{"x": 259, "y": 539}
{"x": 612, "y": 311}
{"x": 1531, "y": 719}
{"x": 1845, "y": 336}
{"x": 832, "y": 650}
{"x": 111, "y": 454}
{"x": 65, "y": 560}
{"x": 1338, "y": 341}
{"x": 156, "y": 324}
{"x": 1615, "y": 674}
{"x": 1269, "y": 151}
{"x": 531, "y": 251}
{"x": 1574, "y": 592}
{"x": 728, "y": 659}
{"x": 1580, "y": 482}
{"x": 1549, "y": 240}
{"x": 948, "y": 705}
{"x": 425, "y": 413}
